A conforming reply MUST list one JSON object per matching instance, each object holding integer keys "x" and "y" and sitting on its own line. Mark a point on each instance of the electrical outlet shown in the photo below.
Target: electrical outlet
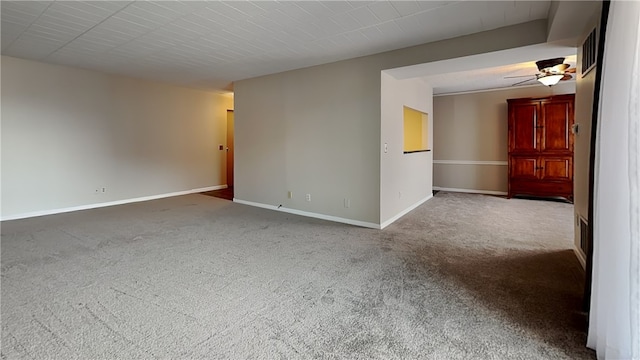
{"x": 290, "y": 195}
{"x": 104, "y": 190}
{"x": 347, "y": 203}
{"x": 308, "y": 197}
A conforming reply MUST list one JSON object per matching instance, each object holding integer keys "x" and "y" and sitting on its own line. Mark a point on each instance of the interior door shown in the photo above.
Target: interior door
{"x": 230, "y": 148}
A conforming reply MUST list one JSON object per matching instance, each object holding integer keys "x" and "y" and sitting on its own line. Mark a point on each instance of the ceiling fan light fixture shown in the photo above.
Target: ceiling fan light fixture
{"x": 550, "y": 80}
{"x": 559, "y": 69}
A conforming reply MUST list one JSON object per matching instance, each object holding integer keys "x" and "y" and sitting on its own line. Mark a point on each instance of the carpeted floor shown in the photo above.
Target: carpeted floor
{"x": 196, "y": 277}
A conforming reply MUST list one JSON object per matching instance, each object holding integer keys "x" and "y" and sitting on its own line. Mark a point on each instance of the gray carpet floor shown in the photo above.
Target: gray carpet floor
{"x": 196, "y": 277}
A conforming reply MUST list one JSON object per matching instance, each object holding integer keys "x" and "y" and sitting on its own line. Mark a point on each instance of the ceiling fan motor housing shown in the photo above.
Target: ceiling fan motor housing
{"x": 549, "y": 63}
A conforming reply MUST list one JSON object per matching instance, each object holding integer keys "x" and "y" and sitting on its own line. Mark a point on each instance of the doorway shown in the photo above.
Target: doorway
{"x": 230, "y": 129}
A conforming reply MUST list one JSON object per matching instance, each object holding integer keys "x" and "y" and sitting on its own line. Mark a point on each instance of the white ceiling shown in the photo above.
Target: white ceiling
{"x": 211, "y": 44}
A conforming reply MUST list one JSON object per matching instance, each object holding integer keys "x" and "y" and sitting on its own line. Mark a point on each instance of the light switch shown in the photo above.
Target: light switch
{"x": 386, "y": 148}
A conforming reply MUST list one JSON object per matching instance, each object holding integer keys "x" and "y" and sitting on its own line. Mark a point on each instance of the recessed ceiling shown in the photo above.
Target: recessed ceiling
{"x": 497, "y": 77}
{"x": 211, "y": 44}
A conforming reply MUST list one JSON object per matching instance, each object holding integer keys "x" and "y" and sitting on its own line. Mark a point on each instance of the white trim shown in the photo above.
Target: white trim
{"x": 581, "y": 257}
{"x": 472, "y": 191}
{"x": 405, "y": 211}
{"x": 471, "y": 162}
{"x": 309, "y": 214}
{"x": 110, "y": 203}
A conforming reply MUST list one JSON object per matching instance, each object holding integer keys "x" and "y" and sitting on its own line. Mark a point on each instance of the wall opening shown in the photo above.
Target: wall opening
{"x": 416, "y": 126}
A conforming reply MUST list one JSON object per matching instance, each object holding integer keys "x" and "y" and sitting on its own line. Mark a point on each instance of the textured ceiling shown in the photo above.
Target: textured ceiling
{"x": 211, "y": 44}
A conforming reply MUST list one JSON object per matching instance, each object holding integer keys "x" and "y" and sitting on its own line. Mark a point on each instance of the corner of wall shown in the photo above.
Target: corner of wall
{"x": 405, "y": 178}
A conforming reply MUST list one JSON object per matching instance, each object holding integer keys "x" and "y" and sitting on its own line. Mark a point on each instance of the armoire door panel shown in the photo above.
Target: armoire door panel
{"x": 553, "y": 168}
{"x": 523, "y": 123}
{"x": 523, "y": 167}
{"x": 556, "y": 130}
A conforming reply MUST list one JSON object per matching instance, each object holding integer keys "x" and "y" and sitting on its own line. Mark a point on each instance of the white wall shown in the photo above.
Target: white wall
{"x": 405, "y": 179}
{"x": 614, "y": 316}
{"x": 318, "y": 130}
{"x": 67, "y": 132}
{"x": 470, "y": 137}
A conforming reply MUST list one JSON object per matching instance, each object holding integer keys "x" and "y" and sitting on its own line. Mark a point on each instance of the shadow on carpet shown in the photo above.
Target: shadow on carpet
{"x": 226, "y": 194}
{"x": 534, "y": 290}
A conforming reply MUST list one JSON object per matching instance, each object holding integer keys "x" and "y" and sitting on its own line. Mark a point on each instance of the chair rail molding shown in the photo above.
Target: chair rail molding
{"x": 471, "y": 162}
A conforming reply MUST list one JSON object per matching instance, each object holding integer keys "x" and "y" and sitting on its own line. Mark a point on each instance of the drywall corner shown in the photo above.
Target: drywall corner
{"x": 405, "y": 178}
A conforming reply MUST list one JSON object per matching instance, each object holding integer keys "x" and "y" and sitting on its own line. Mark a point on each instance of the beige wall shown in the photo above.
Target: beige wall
{"x": 67, "y": 132}
{"x": 470, "y": 137}
{"x": 318, "y": 130}
{"x": 309, "y": 132}
{"x": 582, "y": 141}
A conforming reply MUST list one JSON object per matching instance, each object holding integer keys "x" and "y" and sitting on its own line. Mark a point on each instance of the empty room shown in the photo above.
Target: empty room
{"x": 320, "y": 179}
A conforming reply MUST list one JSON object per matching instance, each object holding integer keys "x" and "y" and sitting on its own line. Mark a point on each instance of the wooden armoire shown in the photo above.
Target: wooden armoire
{"x": 541, "y": 146}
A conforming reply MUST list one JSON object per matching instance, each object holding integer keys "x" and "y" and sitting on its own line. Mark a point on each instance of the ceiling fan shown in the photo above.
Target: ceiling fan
{"x": 551, "y": 71}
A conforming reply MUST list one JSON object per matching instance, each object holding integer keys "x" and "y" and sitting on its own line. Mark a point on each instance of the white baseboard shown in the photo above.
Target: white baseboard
{"x": 581, "y": 257}
{"x": 404, "y": 212}
{"x": 472, "y": 191}
{"x": 309, "y": 214}
{"x": 109, "y": 203}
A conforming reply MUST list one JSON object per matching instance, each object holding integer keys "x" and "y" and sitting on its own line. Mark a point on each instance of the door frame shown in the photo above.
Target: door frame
{"x": 230, "y": 137}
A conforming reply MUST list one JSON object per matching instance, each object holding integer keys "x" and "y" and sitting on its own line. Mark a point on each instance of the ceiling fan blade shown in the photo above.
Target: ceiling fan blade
{"x": 571, "y": 71}
{"x": 511, "y": 77}
{"x": 566, "y": 77}
{"x": 524, "y": 81}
